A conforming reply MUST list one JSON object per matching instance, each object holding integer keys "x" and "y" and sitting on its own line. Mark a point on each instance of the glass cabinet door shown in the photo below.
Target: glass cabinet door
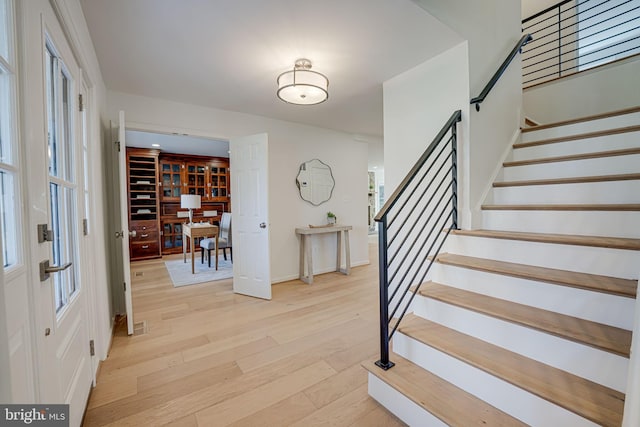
{"x": 196, "y": 179}
{"x": 171, "y": 179}
{"x": 218, "y": 182}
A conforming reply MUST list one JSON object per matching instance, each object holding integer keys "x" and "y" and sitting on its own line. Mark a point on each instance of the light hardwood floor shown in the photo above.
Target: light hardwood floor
{"x": 213, "y": 358}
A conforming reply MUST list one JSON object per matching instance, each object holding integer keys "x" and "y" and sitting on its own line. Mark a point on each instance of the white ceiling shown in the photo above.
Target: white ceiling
{"x": 227, "y": 53}
{"x": 174, "y": 143}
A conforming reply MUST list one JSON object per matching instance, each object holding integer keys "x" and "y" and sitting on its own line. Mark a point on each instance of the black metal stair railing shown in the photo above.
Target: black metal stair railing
{"x": 575, "y": 35}
{"x": 413, "y": 225}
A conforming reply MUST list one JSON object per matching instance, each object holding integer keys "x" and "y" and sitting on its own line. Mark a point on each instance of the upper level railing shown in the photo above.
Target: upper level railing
{"x": 575, "y": 35}
{"x": 526, "y": 38}
{"x": 410, "y": 228}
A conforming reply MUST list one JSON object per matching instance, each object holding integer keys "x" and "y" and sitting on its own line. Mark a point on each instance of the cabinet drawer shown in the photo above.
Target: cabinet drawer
{"x": 145, "y": 236}
{"x": 144, "y": 226}
{"x": 145, "y": 249}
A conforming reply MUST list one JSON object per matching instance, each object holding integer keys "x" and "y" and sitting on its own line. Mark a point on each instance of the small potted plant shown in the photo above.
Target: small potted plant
{"x": 331, "y": 218}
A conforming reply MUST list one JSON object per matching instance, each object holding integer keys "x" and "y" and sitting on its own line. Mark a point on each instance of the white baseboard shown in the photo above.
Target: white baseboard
{"x": 295, "y": 276}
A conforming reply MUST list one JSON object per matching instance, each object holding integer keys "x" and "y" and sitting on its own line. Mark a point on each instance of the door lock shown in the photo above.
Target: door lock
{"x": 44, "y": 234}
{"x": 263, "y": 225}
{"x": 46, "y": 269}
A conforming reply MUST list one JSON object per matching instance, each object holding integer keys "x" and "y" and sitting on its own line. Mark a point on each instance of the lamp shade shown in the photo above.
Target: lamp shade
{"x": 190, "y": 201}
{"x": 302, "y": 86}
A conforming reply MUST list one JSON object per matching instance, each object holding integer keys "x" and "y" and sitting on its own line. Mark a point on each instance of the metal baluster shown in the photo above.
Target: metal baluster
{"x": 384, "y": 361}
{"x": 559, "y": 44}
{"x": 454, "y": 175}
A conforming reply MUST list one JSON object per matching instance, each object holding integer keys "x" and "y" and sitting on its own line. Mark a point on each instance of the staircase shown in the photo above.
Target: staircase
{"x": 528, "y": 321}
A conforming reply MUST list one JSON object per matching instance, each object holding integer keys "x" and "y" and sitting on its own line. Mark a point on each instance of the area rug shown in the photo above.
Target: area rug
{"x": 180, "y": 271}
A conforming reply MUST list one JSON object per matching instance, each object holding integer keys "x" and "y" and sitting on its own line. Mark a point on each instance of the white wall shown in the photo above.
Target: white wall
{"x": 492, "y": 28}
{"x": 607, "y": 88}
{"x": 290, "y": 144}
{"x": 531, "y": 7}
{"x": 417, "y": 103}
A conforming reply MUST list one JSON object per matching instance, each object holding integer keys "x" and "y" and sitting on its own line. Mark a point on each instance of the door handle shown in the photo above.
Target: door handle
{"x": 133, "y": 233}
{"x": 46, "y": 269}
{"x": 263, "y": 225}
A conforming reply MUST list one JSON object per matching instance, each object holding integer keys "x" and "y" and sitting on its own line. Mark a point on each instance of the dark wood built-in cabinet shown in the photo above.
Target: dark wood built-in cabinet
{"x": 156, "y": 182}
{"x": 144, "y": 204}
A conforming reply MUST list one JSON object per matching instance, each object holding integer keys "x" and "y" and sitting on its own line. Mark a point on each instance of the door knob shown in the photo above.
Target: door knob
{"x": 263, "y": 225}
{"x": 120, "y": 234}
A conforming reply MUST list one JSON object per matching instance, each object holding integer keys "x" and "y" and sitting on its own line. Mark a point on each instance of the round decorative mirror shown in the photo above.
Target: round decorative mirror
{"x": 315, "y": 182}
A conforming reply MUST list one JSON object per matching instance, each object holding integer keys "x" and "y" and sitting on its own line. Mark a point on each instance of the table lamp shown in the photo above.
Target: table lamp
{"x": 191, "y": 202}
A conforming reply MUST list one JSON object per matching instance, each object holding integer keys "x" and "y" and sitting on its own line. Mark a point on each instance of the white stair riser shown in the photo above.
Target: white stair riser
{"x": 402, "y": 303}
{"x": 514, "y": 401}
{"x": 588, "y": 362}
{"x": 594, "y": 306}
{"x": 584, "y": 127}
{"x": 401, "y": 406}
{"x": 580, "y": 146}
{"x": 588, "y": 167}
{"x": 607, "y": 192}
{"x": 589, "y": 223}
{"x": 586, "y": 259}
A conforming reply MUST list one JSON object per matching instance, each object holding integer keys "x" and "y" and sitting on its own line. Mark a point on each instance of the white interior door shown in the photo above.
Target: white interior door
{"x": 250, "y": 201}
{"x": 53, "y": 180}
{"x": 124, "y": 221}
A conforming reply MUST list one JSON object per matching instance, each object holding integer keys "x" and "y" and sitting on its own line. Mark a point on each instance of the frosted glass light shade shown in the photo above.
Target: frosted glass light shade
{"x": 302, "y": 86}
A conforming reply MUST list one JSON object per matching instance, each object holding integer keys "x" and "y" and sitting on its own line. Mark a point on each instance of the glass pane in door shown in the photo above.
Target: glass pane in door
{"x": 62, "y": 186}
{"x": 60, "y": 297}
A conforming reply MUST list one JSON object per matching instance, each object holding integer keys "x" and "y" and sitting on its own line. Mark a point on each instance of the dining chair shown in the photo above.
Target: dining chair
{"x": 224, "y": 239}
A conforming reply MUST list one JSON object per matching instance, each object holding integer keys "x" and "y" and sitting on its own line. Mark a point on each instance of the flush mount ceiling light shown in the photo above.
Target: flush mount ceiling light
{"x": 302, "y": 86}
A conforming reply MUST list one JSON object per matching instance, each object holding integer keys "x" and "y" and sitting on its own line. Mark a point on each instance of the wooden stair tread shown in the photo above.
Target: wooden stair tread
{"x": 563, "y": 239}
{"x": 572, "y": 157}
{"x": 574, "y": 279}
{"x": 586, "y": 119}
{"x": 559, "y": 207}
{"x": 571, "y": 180}
{"x": 590, "y": 400}
{"x": 575, "y": 137}
{"x": 439, "y": 397}
{"x": 604, "y": 337}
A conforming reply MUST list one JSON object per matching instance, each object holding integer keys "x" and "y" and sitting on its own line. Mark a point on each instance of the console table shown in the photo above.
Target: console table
{"x": 305, "y": 234}
{"x": 193, "y": 231}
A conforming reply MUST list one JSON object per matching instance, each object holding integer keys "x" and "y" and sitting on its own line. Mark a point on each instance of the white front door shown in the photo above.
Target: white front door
{"x": 52, "y": 135}
{"x": 124, "y": 221}
{"x": 250, "y": 207}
